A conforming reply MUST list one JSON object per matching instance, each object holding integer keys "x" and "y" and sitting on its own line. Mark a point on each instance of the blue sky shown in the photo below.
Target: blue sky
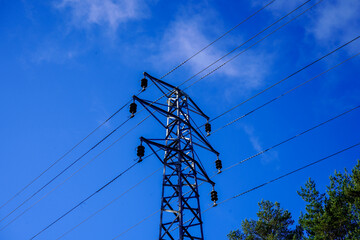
{"x": 67, "y": 65}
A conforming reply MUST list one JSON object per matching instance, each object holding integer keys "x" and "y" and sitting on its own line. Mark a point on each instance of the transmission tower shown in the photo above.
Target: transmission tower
{"x": 180, "y": 216}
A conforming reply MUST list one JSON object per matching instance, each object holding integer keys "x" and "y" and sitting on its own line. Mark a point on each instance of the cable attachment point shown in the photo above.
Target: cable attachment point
{"x": 140, "y": 152}
{"x": 133, "y": 108}
{"x": 218, "y": 165}
{"x": 208, "y": 128}
{"x": 214, "y": 197}
{"x": 144, "y": 83}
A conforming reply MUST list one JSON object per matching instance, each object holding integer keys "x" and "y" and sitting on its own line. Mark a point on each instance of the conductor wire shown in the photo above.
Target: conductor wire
{"x": 65, "y": 169}
{"x": 226, "y": 33}
{"x": 83, "y": 201}
{"x": 286, "y": 78}
{"x": 286, "y": 175}
{"x": 108, "y": 204}
{"x": 233, "y": 50}
{"x": 87, "y": 163}
{"x": 283, "y": 94}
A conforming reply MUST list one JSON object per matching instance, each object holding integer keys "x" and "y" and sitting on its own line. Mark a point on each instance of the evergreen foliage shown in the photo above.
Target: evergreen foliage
{"x": 334, "y": 215}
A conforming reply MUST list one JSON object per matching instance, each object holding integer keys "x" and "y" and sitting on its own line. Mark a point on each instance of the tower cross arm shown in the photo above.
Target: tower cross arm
{"x": 162, "y": 146}
{"x": 147, "y": 104}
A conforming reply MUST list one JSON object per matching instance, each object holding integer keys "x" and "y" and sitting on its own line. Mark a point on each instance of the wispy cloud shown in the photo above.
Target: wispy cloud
{"x": 191, "y": 31}
{"x": 269, "y": 157}
{"x": 336, "y": 22}
{"x": 106, "y": 13}
{"x": 330, "y": 23}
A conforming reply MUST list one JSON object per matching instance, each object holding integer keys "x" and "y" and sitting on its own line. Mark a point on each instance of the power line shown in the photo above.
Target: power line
{"x": 258, "y": 154}
{"x": 87, "y": 163}
{"x": 168, "y": 73}
{"x": 282, "y": 176}
{"x": 286, "y": 175}
{"x": 242, "y": 45}
{"x": 309, "y": 0}
{"x": 117, "y": 111}
{"x": 210, "y": 44}
{"x": 65, "y": 169}
{"x": 286, "y": 78}
{"x": 220, "y": 66}
{"x": 108, "y": 204}
{"x": 272, "y": 32}
{"x": 293, "y": 137}
{"x": 71, "y": 165}
{"x": 261, "y": 152}
{"x": 130, "y": 101}
{"x": 226, "y": 33}
{"x": 289, "y": 138}
{"x": 83, "y": 201}
{"x": 143, "y": 220}
{"x": 63, "y": 156}
{"x": 283, "y": 94}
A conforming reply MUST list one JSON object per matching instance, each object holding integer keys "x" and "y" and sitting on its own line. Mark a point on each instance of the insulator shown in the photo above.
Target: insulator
{"x": 208, "y": 128}
{"x": 140, "y": 151}
{"x": 144, "y": 83}
{"x": 133, "y": 108}
{"x": 218, "y": 165}
{"x": 214, "y": 196}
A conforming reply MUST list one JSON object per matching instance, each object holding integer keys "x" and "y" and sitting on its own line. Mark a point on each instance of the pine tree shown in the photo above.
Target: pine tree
{"x": 273, "y": 224}
{"x": 334, "y": 215}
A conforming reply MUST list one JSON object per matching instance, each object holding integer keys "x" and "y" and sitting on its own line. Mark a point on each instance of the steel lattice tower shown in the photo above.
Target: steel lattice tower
{"x": 180, "y": 216}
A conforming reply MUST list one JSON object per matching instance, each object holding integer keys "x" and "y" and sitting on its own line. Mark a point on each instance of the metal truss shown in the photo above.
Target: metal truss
{"x": 180, "y": 205}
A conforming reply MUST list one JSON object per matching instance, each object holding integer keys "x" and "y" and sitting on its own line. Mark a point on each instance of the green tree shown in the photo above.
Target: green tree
{"x": 273, "y": 224}
{"x": 334, "y": 215}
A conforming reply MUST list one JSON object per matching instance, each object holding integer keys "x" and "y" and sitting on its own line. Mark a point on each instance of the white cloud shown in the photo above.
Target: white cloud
{"x": 330, "y": 23}
{"x": 189, "y": 33}
{"x": 267, "y": 158}
{"x": 109, "y": 13}
{"x": 184, "y": 37}
{"x": 336, "y": 22}
{"x": 253, "y": 139}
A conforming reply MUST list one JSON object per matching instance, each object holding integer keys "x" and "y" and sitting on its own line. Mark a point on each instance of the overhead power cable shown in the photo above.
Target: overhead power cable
{"x": 236, "y": 48}
{"x": 108, "y": 204}
{"x": 226, "y": 33}
{"x": 287, "y": 139}
{"x": 63, "y": 156}
{"x": 293, "y": 137}
{"x": 83, "y": 201}
{"x": 65, "y": 169}
{"x": 306, "y": 131}
{"x": 117, "y": 111}
{"x": 283, "y": 94}
{"x": 241, "y": 46}
{"x": 260, "y": 153}
{"x": 286, "y": 78}
{"x": 278, "y": 178}
{"x": 286, "y": 175}
{"x": 67, "y": 179}
{"x": 268, "y": 88}
{"x": 137, "y": 224}
{"x": 317, "y": 3}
